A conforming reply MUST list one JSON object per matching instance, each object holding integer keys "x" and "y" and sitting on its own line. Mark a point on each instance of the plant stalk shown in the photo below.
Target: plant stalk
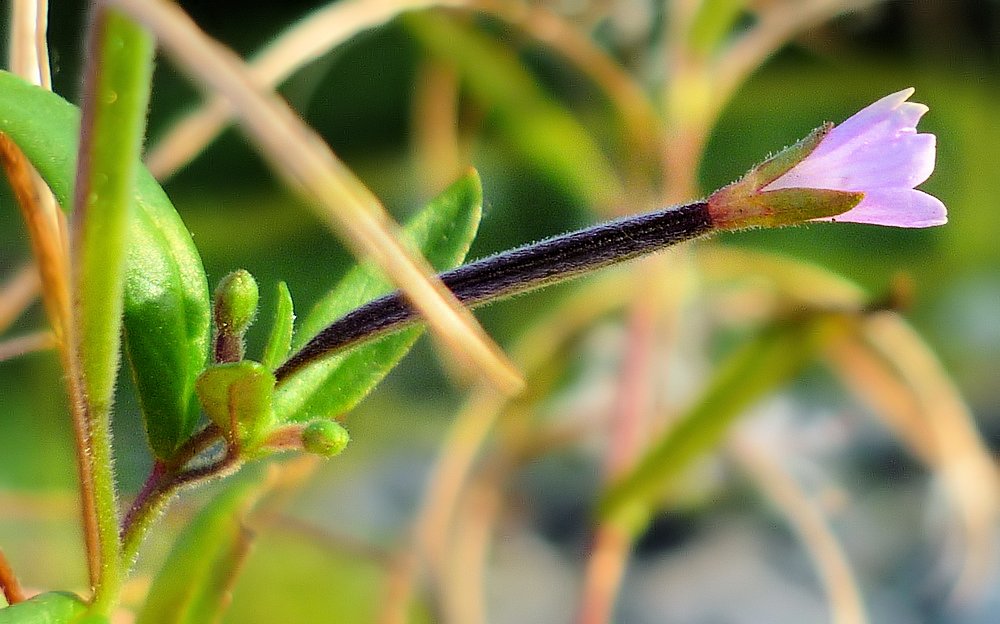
{"x": 514, "y": 272}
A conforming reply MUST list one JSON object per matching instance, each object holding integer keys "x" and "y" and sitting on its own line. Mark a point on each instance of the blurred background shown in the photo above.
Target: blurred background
{"x": 407, "y": 105}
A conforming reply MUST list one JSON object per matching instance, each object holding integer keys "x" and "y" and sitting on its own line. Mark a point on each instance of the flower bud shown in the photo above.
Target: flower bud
{"x": 325, "y": 437}
{"x": 864, "y": 170}
{"x": 236, "y": 299}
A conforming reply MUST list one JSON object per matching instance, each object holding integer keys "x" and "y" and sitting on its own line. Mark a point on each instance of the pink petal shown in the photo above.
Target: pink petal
{"x": 902, "y": 162}
{"x": 892, "y": 112}
{"x": 878, "y": 152}
{"x": 898, "y": 207}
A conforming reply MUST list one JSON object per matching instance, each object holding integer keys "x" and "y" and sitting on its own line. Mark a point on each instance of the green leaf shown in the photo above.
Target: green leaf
{"x": 48, "y": 608}
{"x": 280, "y": 339}
{"x": 757, "y": 368}
{"x": 537, "y": 125}
{"x": 166, "y": 302}
{"x": 193, "y": 585}
{"x": 442, "y": 231}
{"x": 238, "y": 393}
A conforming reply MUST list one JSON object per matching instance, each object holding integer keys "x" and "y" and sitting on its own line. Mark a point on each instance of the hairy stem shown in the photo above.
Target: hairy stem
{"x": 164, "y": 482}
{"x": 517, "y": 271}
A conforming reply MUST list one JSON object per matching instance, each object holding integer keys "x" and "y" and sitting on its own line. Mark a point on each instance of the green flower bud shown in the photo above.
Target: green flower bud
{"x": 325, "y": 437}
{"x": 236, "y": 300}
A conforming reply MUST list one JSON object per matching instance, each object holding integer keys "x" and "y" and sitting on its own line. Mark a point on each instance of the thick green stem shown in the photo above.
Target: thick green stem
{"x": 115, "y": 96}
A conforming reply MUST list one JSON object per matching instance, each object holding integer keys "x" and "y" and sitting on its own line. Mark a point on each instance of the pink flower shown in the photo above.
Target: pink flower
{"x": 879, "y": 153}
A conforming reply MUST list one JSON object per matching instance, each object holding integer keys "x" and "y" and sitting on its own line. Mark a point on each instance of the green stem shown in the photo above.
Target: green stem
{"x": 165, "y": 480}
{"x": 163, "y": 485}
{"x": 115, "y": 96}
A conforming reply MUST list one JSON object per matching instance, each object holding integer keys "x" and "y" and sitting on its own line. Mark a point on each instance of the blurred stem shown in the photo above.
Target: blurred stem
{"x": 434, "y": 120}
{"x": 29, "y": 343}
{"x": 651, "y": 316}
{"x": 611, "y": 545}
{"x": 298, "y": 46}
{"x": 642, "y": 127}
{"x": 753, "y": 370}
{"x": 18, "y": 293}
{"x": 534, "y": 350}
{"x": 10, "y": 587}
{"x": 806, "y": 519}
{"x": 463, "y": 588}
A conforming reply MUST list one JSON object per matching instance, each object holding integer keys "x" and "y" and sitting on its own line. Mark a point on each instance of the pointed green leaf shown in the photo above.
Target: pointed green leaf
{"x": 238, "y": 393}
{"x": 759, "y": 367}
{"x": 442, "y": 232}
{"x": 280, "y": 339}
{"x": 48, "y": 608}
{"x": 542, "y": 129}
{"x": 193, "y": 585}
{"x": 166, "y": 303}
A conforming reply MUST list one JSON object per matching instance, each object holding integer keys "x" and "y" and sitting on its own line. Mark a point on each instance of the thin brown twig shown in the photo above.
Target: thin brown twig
{"x": 10, "y": 586}
{"x": 48, "y": 242}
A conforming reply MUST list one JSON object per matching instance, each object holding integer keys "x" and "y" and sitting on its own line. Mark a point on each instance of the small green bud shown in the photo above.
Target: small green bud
{"x": 325, "y": 437}
{"x": 236, "y": 299}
